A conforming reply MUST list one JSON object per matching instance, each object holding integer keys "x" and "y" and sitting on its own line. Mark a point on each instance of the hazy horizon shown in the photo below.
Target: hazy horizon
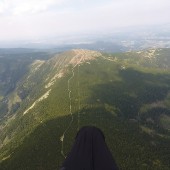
{"x": 32, "y": 20}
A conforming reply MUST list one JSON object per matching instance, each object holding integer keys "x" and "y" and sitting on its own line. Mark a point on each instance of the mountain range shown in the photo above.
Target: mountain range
{"x": 46, "y": 97}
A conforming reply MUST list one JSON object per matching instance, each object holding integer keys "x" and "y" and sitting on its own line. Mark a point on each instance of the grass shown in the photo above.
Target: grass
{"x": 1, "y": 98}
{"x": 165, "y": 121}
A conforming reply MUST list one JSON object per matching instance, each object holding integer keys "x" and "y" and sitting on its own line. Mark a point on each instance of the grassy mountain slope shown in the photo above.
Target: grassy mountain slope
{"x": 126, "y": 95}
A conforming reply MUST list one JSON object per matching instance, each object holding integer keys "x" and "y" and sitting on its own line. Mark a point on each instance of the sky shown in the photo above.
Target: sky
{"x": 38, "y": 19}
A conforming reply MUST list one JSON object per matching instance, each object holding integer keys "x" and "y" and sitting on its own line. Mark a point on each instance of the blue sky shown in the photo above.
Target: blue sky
{"x": 38, "y": 19}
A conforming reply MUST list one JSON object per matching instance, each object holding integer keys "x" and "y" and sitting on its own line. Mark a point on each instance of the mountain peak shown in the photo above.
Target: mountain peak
{"x": 82, "y": 55}
{"x": 75, "y": 56}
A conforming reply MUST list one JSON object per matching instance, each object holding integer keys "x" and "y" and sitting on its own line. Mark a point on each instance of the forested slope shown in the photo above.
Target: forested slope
{"x": 127, "y": 95}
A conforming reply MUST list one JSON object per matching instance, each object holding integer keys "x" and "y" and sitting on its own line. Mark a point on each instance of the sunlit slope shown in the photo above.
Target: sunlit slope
{"x": 129, "y": 101}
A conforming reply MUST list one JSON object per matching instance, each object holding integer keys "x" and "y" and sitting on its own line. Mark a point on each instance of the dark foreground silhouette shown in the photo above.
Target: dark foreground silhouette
{"x": 89, "y": 152}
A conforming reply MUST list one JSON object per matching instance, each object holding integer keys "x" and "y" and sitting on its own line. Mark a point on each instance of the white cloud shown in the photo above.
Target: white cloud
{"x": 34, "y": 6}
{"x": 3, "y": 7}
{"x": 19, "y": 7}
{"x": 22, "y": 19}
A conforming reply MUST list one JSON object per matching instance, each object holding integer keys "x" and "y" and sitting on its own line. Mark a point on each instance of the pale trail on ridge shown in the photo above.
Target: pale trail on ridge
{"x": 82, "y": 55}
{"x": 69, "y": 95}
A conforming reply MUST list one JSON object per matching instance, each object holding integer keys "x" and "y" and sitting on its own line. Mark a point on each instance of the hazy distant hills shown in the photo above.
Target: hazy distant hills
{"x": 118, "y": 40}
{"x": 127, "y": 95}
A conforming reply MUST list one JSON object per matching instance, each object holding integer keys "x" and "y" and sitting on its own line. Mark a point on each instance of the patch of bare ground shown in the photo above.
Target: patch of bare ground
{"x": 82, "y": 56}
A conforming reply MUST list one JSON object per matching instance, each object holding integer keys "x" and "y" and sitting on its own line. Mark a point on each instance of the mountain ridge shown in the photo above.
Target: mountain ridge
{"x": 119, "y": 93}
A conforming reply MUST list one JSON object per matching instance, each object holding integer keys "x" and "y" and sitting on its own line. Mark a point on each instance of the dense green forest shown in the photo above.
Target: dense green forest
{"x": 126, "y": 95}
